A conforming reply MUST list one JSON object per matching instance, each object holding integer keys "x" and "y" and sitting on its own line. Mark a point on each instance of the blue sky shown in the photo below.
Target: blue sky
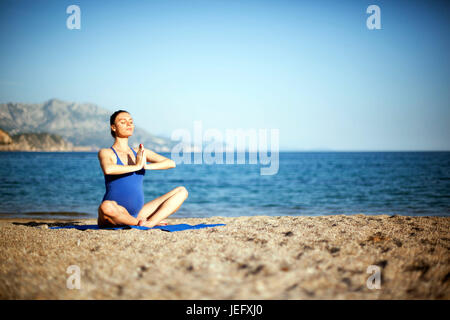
{"x": 311, "y": 69}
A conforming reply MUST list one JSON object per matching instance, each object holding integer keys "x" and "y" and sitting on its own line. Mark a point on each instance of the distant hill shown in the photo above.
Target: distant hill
{"x": 85, "y": 126}
{"x": 36, "y": 142}
{"x": 5, "y": 138}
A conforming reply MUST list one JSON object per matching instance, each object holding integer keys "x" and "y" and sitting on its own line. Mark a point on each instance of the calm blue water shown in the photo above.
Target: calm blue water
{"x": 307, "y": 183}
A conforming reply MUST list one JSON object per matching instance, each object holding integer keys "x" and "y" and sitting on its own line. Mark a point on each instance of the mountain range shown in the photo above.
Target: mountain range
{"x": 82, "y": 126}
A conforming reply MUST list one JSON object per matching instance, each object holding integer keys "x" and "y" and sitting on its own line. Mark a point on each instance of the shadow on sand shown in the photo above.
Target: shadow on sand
{"x": 49, "y": 224}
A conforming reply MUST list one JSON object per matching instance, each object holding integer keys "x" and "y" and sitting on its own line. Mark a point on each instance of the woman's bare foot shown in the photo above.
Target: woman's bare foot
{"x": 143, "y": 223}
{"x": 162, "y": 223}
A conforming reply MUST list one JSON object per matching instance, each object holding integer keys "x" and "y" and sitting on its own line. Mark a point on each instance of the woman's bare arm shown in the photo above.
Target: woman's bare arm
{"x": 158, "y": 162}
{"x": 109, "y": 167}
{"x": 165, "y": 164}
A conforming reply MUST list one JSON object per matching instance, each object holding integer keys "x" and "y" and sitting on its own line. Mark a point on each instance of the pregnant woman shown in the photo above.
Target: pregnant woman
{"x": 124, "y": 170}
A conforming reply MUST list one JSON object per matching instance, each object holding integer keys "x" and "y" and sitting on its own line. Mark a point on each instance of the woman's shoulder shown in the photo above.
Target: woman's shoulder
{"x": 105, "y": 152}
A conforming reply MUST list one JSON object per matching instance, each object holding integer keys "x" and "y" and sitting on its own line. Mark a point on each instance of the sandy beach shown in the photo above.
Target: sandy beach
{"x": 258, "y": 257}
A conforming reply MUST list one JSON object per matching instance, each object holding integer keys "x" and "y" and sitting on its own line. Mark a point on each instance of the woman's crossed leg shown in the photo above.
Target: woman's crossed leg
{"x": 111, "y": 214}
{"x": 155, "y": 211}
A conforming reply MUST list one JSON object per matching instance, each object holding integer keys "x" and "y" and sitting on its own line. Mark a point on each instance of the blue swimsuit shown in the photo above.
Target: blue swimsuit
{"x": 126, "y": 189}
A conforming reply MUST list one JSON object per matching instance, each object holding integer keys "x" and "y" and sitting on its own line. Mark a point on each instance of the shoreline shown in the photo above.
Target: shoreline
{"x": 251, "y": 257}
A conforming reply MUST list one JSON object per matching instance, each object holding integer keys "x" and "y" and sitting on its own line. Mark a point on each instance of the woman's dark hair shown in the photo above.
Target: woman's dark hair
{"x": 112, "y": 120}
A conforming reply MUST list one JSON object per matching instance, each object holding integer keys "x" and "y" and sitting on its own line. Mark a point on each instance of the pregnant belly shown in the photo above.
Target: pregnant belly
{"x": 132, "y": 199}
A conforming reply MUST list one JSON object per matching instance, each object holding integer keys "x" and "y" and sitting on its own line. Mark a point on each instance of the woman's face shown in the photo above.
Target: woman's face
{"x": 123, "y": 125}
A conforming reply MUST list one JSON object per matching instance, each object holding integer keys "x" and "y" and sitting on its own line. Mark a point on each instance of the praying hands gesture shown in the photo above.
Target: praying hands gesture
{"x": 141, "y": 159}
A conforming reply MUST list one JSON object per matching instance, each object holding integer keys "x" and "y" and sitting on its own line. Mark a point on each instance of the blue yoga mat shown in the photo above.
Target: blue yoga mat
{"x": 169, "y": 228}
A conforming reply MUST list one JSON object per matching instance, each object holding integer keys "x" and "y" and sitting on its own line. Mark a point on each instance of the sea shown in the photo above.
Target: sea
{"x": 71, "y": 185}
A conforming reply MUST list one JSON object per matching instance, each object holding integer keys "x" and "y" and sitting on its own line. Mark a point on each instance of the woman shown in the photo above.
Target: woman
{"x": 124, "y": 170}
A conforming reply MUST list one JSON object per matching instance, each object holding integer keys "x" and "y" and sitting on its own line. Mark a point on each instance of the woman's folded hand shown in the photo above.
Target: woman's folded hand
{"x": 141, "y": 158}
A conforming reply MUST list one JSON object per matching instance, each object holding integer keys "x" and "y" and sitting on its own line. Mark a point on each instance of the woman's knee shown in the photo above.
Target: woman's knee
{"x": 182, "y": 190}
{"x": 109, "y": 208}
